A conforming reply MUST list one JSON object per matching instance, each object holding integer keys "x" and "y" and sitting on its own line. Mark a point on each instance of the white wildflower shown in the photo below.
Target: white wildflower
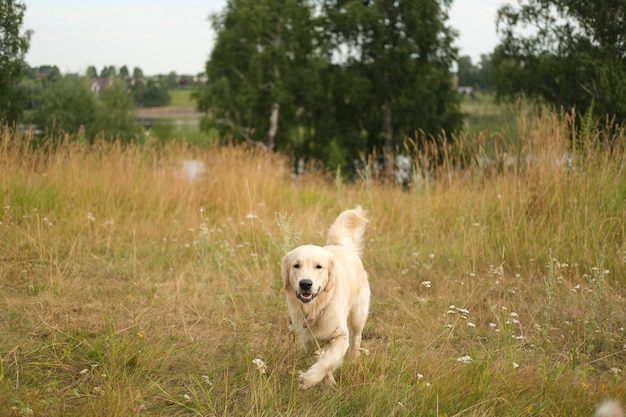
{"x": 515, "y": 365}
{"x": 470, "y": 324}
{"x": 207, "y": 380}
{"x": 464, "y": 359}
{"x": 260, "y": 365}
{"x": 426, "y": 284}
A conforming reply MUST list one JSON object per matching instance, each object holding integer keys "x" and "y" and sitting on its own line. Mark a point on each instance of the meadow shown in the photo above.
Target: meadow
{"x": 498, "y": 280}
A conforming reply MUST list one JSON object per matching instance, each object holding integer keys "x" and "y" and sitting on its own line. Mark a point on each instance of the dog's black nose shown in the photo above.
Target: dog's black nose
{"x": 306, "y": 284}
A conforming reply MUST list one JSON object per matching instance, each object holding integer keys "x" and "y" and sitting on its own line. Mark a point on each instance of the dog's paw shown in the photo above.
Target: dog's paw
{"x": 305, "y": 382}
{"x": 329, "y": 381}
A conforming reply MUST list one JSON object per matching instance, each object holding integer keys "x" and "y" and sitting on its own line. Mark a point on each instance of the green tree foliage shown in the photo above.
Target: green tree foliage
{"x": 68, "y": 105}
{"x": 149, "y": 93}
{"x": 330, "y": 79}
{"x": 124, "y": 73}
{"x": 92, "y": 72}
{"x": 258, "y": 68}
{"x": 476, "y": 76}
{"x": 33, "y": 82}
{"x": 570, "y": 53}
{"x": 402, "y": 53}
{"x": 107, "y": 72}
{"x": 137, "y": 73}
{"x": 171, "y": 80}
{"x": 116, "y": 112}
{"x": 13, "y": 47}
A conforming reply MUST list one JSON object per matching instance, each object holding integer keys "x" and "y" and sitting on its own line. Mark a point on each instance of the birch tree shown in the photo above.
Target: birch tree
{"x": 257, "y": 69}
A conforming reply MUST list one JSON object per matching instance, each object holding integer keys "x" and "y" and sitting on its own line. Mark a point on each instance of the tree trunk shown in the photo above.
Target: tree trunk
{"x": 270, "y": 139}
{"x": 388, "y": 145}
{"x": 271, "y": 133}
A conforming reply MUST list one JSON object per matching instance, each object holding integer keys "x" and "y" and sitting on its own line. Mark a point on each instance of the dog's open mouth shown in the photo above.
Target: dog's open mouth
{"x": 306, "y": 297}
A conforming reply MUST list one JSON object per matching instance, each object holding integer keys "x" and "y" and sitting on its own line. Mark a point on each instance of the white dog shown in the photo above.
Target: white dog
{"x": 328, "y": 296}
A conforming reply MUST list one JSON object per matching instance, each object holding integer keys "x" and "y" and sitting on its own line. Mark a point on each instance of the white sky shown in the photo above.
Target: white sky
{"x": 160, "y": 36}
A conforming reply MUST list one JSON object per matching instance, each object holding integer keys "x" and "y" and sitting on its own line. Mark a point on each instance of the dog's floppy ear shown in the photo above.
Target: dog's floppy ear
{"x": 285, "y": 270}
{"x": 331, "y": 274}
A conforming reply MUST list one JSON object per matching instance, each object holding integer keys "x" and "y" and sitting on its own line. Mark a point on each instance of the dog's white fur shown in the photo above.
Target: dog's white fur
{"x": 328, "y": 296}
{"x": 609, "y": 408}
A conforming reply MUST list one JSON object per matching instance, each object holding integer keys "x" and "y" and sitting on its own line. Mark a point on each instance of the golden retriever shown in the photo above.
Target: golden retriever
{"x": 328, "y": 296}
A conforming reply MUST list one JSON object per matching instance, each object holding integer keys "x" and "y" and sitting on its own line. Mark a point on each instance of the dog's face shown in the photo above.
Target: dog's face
{"x": 308, "y": 270}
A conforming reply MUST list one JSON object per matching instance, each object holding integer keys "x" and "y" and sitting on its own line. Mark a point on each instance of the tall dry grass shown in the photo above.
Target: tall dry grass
{"x": 498, "y": 282}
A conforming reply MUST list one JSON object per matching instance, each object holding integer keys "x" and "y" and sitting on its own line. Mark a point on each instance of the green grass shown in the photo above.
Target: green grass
{"x": 166, "y": 130}
{"x": 181, "y": 98}
{"x": 497, "y": 121}
{"x": 127, "y": 290}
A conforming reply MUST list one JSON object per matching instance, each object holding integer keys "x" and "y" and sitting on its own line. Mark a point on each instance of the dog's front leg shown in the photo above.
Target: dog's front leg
{"x": 329, "y": 361}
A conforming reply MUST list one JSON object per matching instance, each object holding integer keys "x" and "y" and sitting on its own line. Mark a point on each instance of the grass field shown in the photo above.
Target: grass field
{"x": 181, "y": 97}
{"x": 498, "y": 289}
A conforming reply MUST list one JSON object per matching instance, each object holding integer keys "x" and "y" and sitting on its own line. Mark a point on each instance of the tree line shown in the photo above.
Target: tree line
{"x": 95, "y": 103}
{"x": 91, "y": 104}
{"x": 574, "y": 56}
{"x": 333, "y": 80}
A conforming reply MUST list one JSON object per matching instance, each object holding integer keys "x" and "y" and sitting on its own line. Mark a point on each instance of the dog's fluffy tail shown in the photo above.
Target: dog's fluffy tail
{"x": 348, "y": 229}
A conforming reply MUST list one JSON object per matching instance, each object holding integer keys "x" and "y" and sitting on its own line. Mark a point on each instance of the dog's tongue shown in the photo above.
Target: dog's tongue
{"x": 306, "y": 295}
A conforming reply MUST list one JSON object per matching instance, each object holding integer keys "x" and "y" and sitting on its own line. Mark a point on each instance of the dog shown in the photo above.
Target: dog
{"x": 609, "y": 408}
{"x": 328, "y": 296}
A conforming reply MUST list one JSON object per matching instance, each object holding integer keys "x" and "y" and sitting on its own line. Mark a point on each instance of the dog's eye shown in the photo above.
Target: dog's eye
{"x": 296, "y": 266}
{"x": 318, "y": 266}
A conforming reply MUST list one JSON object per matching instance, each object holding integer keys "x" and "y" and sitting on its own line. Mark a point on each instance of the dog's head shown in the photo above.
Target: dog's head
{"x": 308, "y": 270}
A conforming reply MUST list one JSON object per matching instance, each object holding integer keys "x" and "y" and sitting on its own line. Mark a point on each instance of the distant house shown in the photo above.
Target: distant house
{"x": 465, "y": 90}
{"x": 202, "y": 78}
{"x": 99, "y": 84}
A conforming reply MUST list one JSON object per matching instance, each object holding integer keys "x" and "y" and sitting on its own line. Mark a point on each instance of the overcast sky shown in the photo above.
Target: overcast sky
{"x": 160, "y": 36}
